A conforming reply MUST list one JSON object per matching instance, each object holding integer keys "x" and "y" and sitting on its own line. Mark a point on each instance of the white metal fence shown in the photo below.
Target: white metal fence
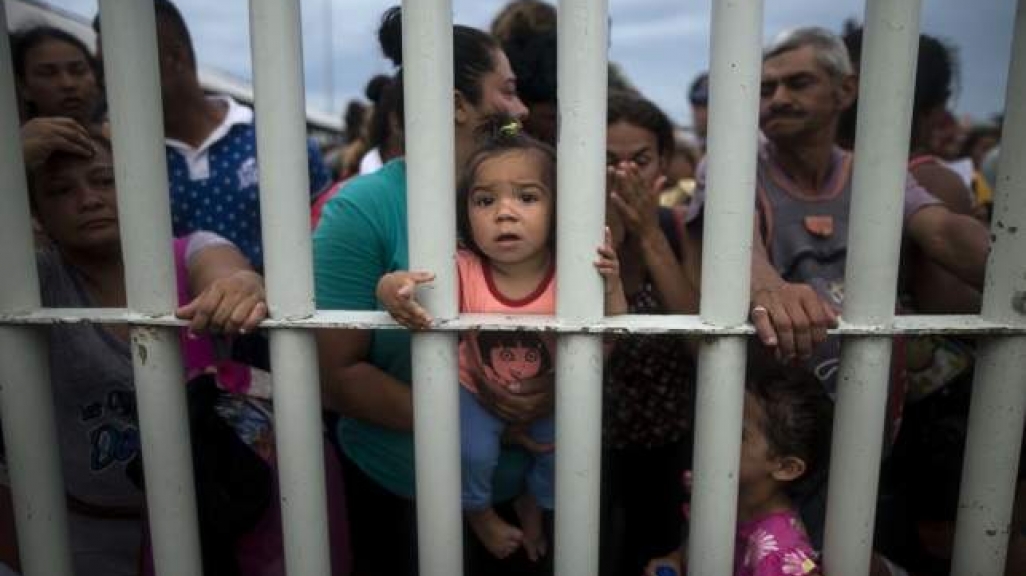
{"x": 998, "y": 404}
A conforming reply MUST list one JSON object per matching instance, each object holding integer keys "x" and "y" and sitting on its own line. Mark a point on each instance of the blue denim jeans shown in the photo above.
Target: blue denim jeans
{"x": 480, "y": 444}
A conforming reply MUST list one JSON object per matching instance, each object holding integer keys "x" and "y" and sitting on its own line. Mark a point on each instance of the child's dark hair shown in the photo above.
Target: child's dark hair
{"x": 498, "y": 135}
{"x": 473, "y": 55}
{"x": 797, "y": 414}
{"x": 629, "y": 107}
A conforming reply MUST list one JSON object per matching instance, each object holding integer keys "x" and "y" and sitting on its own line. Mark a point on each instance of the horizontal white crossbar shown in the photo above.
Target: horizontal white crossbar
{"x": 626, "y": 324}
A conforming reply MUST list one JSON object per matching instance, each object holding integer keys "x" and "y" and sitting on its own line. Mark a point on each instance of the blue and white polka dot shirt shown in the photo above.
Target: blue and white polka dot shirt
{"x": 215, "y": 186}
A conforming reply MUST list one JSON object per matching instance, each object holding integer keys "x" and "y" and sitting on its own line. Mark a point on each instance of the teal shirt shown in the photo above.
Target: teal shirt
{"x": 361, "y": 236}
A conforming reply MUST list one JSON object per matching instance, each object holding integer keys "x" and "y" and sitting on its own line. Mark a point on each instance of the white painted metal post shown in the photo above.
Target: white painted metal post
{"x": 133, "y": 90}
{"x": 582, "y": 68}
{"x": 26, "y": 399}
{"x": 871, "y": 276}
{"x": 431, "y": 186}
{"x": 284, "y": 216}
{"x": 733, "y": 124}
{"x": 999, "y": 388}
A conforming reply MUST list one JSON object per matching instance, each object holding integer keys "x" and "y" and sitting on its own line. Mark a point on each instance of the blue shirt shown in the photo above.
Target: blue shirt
{"x": 215, "y": 186}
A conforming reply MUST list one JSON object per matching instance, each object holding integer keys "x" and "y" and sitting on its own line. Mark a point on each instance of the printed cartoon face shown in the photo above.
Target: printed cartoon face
{"x": 516, "y": 362}
{"x": 510, "y": 357}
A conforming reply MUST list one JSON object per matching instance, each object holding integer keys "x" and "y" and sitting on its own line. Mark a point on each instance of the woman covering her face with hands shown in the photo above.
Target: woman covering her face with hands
{"x": 648, "y": 380}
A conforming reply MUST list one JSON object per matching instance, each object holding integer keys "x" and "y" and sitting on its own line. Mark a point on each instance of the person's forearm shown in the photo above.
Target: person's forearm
{"x": 616, "y": 302}
{"x": 970, "y": 242}
{"x": 676, "y": 293}
{"x": 764, "y": 276}
{"x": 213, "y": 263}
{"x": 937, "y": 291}
{"x": 365, "y": 392}
{"x": 957, "y": 242}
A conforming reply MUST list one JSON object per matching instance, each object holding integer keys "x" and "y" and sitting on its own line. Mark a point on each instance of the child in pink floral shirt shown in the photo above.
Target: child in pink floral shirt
{"x": 785, "y": 437}
{"x": 773, "y": 544}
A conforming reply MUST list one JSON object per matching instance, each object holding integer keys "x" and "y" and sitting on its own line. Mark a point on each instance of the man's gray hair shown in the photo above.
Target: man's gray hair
{"x": 831, "y": 53}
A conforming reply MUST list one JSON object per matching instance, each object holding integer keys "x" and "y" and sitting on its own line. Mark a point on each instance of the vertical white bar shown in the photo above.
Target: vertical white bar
{"x": 736, "y": 46}
{"x": 582, "y": 46}
{"x": 430, "y": 161}
{"x": 30, "y": 439}
{"x": 137, "y": 133}
{"x": 133, "y": 90}
{"x": 991, "y": 457}
{"x": 26, "y": 400}
{"x": 19, "y": 290}
{"x": 999, "y": 389}
{"x": 284, "y": 215}
{"x": 881, "y": 149}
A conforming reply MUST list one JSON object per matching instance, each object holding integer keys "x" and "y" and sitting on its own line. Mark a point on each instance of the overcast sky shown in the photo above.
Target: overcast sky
{"x": 660, "y": 44}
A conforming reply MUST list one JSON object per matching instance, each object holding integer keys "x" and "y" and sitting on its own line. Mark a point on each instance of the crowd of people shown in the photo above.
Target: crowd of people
{"x": 505, "y": 125}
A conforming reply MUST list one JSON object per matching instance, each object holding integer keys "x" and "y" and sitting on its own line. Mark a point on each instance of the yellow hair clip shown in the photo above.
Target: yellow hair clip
{"x": 511, "y": 128}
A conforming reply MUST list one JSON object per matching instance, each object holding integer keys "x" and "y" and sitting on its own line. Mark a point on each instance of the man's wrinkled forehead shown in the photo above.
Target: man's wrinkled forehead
{"x": 800, "y": 60}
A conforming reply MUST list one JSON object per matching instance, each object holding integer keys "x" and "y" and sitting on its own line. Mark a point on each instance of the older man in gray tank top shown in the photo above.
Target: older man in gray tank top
{"x": 803, "y": 199}
{"x": 801, "y": 231}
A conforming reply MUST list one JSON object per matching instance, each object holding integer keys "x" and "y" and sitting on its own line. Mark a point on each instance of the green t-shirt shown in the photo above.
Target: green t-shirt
{"x": 361, "y": 236}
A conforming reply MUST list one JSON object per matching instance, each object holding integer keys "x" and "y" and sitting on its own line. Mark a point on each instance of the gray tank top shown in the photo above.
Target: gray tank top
{"x": 807, "y": 241}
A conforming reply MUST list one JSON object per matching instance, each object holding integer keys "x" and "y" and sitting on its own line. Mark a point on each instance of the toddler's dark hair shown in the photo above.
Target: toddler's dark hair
{"x": 498, "y": 135}
{"x": 797, "y": 414}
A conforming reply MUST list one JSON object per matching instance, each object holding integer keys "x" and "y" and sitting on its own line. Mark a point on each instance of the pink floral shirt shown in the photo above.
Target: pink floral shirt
{"x": 774, "y": 545}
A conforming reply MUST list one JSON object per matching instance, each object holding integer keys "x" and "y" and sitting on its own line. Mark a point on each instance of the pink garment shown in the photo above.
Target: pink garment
{"x": 261, "y": 551}
{"x": 774, "y": 545}
{"x": 502, "y": 356}
{"x": 322, "y": 200}
{"x": 200, "y": 353}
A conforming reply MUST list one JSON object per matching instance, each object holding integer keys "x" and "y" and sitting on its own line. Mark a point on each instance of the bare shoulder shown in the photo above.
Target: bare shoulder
{"x": 946, "y": 185}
